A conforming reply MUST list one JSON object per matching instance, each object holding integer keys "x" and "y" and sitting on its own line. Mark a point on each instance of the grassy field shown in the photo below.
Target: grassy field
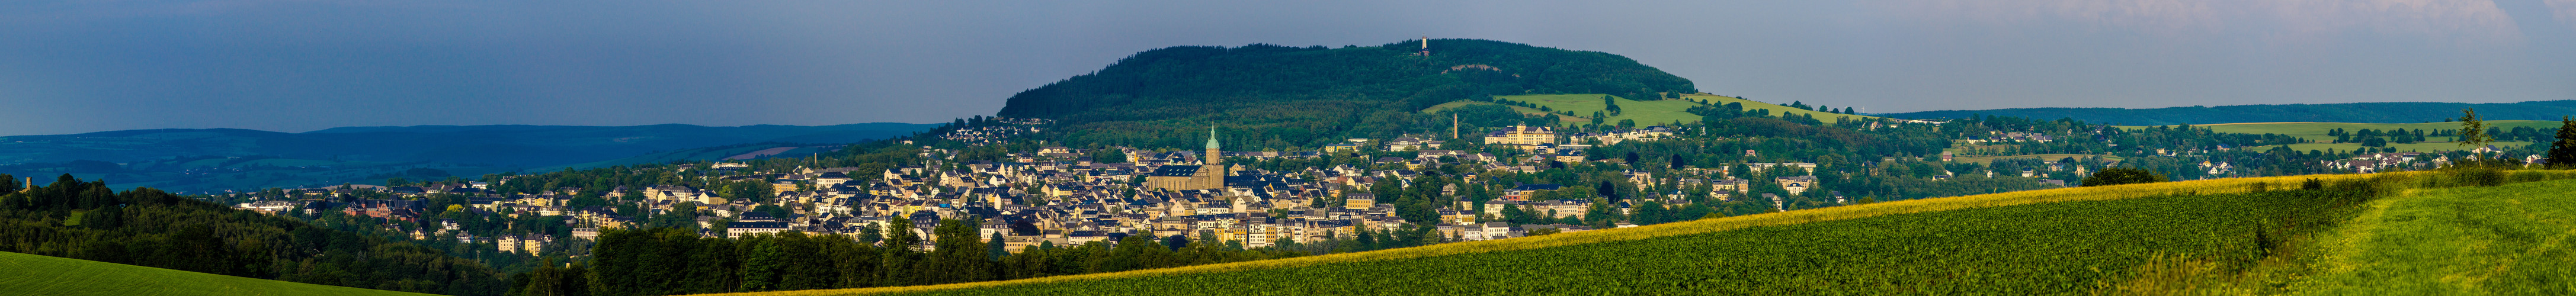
{"x": 1776, "y": 109}
{"x": 2417, "y": 147}
{"x": 2504, "y": 240}
{"x": 24, "y": 274}
{"x": 1344, "y": 273}
{"x": 2316, "y": 132}
{"x": 1644, "y": 112}
{"x": 2048, "y": 157}
{"x": 1522, "y": 110}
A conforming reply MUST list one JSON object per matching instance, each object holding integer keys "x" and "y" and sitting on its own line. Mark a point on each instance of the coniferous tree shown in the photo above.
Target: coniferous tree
{"x": 2562, "y": 153}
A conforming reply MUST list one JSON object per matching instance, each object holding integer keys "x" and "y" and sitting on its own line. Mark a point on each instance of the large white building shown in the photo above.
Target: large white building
{"x": 1523, "y": 135}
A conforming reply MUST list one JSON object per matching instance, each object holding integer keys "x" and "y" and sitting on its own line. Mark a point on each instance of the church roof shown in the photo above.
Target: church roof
{"x": 1175, "y": 171}
{"x": 1211, "y": 138}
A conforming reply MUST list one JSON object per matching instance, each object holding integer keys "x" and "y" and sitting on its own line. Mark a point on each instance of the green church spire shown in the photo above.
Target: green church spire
{"x": 1212, "y": 138}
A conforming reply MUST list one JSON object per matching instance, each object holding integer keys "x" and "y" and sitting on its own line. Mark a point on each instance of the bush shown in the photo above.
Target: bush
{"x": 2118, "y": 176}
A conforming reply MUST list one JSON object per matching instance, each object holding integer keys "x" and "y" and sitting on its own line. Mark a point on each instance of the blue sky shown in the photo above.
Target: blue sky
{"x": 83, "y": 66}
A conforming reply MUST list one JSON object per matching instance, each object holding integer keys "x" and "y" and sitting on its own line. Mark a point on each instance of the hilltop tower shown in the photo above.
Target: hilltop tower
{"x": 1426, "y": 46}
{"x": 1213, "y": 157}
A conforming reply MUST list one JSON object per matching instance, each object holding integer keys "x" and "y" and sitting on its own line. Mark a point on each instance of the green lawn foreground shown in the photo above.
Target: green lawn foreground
{"x": 23, "y": 274}
{"x": 2504, "y": 240}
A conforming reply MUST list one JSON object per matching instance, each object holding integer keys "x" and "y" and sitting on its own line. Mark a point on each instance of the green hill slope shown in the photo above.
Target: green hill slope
{"x": 25, "y": 274}
{"x": 2390, "y": 112}
{"x": 2244, "y": 235}
{"x": 1652, "y": 112}
{"x": 1777, "y": 109}
{"x": 2316, "y": 132}
{"x": 1304, "y": 96}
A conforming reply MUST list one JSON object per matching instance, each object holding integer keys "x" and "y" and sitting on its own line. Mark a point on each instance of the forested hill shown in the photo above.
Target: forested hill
{"x": 2390, "y": 112}
{"x": 1273, "y": 95}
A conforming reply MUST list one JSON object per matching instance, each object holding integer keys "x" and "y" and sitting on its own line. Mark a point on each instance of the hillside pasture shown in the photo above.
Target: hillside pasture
{"x": 1525, "y": 111}
{"x": 2047, "y": 157}
{"x": 1646, "y": 113}
{"x": 1776, "y": 109}
{"x": 25, "y": 274}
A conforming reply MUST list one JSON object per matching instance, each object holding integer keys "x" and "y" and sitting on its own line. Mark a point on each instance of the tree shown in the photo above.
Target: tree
{"x": 993, "y": 250}
{"x": 2563, "y": 153}
{"x": 2117, "y": 176}
{"x": 2473, "y": 132}
{"x": 1175, "y": 242}
{"x": 899, "y": 256}
{"x": 1109, "y": 155}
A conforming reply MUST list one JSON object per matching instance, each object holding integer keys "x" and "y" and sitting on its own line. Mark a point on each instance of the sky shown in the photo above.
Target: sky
{"x": 300, "y": 65}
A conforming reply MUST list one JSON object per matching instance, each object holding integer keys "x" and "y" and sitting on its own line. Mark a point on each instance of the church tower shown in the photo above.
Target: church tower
{"x": 1213, "y": 157}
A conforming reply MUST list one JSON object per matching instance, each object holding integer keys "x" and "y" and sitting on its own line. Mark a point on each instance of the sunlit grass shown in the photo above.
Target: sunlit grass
{"x": 2511, "y": 239}
{"x": 23, "y": 274}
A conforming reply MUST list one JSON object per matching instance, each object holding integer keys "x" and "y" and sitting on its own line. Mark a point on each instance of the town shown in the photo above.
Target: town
{"x": 1059, "y": 196}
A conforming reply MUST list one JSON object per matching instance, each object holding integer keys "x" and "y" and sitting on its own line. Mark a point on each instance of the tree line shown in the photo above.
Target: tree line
{"x": 85, "y": 220}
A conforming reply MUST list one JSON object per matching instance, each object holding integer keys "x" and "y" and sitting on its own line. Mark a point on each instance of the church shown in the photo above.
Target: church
{"x": 1210, "y": 174}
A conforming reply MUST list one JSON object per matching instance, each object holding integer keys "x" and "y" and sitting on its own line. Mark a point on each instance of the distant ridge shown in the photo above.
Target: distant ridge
{"x": 212, "y": 160}
{"x": 519, "y": 145}
{"x": 2385, "y": 112}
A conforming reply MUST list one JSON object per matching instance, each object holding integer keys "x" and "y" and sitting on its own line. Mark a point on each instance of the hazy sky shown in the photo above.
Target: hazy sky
{"x": 95, "y": 65}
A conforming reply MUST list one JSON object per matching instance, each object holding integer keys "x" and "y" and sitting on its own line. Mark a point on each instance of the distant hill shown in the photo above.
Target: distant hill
{"x": 212, "y": 160}
{"x": 1300, "y": 96}
{"x": 41, "y": 275}
{"x": 2391, "y": 112}
{"x": 508, "y": 145}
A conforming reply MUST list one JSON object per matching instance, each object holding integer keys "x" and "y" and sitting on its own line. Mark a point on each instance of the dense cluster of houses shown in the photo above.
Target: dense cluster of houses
{"x": 1055, "y": 195}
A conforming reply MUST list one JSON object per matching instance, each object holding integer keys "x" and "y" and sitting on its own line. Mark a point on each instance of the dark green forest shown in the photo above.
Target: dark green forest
{"x": 1300, "y": 96}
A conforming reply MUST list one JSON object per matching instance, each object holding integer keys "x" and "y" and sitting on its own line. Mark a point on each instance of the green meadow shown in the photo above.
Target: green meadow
{"x": 2503, "y": 240}
{"x": 1644, "y": 112}
{"x": 23, "y": 274}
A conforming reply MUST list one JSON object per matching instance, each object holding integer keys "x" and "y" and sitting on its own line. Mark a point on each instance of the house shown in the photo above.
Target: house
{"x": 1342, "y": 147}
{"x": 1523, "y": 192}
{"x": 1797, "y": 184}
{"x": 1359, "y": 200}
{"x": 1569, "y": 156}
